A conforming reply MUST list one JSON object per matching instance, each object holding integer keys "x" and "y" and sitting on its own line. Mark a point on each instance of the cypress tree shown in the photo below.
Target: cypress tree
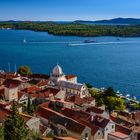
{"x": 14, "y": 126}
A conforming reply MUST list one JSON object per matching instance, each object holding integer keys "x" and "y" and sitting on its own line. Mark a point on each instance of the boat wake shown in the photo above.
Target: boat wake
{"x": 47, "y": 42}
{"x": 102, "y": 43}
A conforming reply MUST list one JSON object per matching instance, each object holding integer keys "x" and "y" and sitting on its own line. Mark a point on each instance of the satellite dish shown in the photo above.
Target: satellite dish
{"x": 2, "y": 72}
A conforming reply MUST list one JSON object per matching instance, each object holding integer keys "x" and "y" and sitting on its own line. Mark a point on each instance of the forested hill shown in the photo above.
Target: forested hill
{"x": 75, "y": 29}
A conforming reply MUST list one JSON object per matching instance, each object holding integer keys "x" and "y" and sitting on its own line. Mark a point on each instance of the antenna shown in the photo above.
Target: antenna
{"x": 15, "y": 68}
{"x": 9, "y": 67}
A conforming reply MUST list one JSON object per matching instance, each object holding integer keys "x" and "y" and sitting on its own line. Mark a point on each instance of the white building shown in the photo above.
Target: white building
{"x": 67, "y": 83}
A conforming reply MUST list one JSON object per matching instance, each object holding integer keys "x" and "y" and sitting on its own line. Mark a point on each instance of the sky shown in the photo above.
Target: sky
{"x": 68, "y": 10}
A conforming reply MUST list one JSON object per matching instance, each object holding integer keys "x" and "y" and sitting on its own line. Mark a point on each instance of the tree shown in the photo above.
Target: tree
{"x": 108, "y": 98}
{"x": 110, "y": 92}
{"x": 115, "y": 103}
{"x": 25, "y": 70}
{"x": 1, "y": 133}
{"x": 89, "y": 85}
{"x": 14, "y": 126}
{"x": 29, "y": 105}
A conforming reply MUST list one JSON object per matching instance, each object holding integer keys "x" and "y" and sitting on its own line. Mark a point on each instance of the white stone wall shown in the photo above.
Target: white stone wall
{"x": 109, "y": 129}
{"x": 34, "y": 124}
{"x": 110, "y": 137}
{"x": 11, "y": 94}
{"x": 98, "y": 135}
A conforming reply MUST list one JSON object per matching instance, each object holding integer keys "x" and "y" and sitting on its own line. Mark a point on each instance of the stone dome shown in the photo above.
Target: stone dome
{"x": 57, "y": 71}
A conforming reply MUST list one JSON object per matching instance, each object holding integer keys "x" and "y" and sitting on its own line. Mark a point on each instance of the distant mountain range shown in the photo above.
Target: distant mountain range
{"x": 116, "y": 21}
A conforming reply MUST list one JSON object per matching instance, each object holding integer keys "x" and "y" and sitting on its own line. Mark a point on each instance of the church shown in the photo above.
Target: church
{"x": 67, "y": 83}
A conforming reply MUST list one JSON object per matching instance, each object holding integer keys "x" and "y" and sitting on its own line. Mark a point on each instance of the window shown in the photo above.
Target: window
{"x": 98, "y": 133}
{"x": 86, "y": 136}
{"x": 112, "y": 126}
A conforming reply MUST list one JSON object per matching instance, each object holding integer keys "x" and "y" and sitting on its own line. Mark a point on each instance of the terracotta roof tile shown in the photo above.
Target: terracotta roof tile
{"x": 10, "y": 83}
{"x": 122, "y": 129}
{"x": 3, "y": 114}
{"x": 70, "y": 76}
{"x": 119, "y": 135}
{"x": 56, "y": 117}
{"x": 32, "y": 89}
{"x": 100, "y": 121}
{"x": 121, "y": 121}
{"x": 136, "y": 115}
{"x": 75, "y": 99}
{"x": 42, "y": 83}
{"x": 95, "y": 110}
{"x": 76, "y": 115}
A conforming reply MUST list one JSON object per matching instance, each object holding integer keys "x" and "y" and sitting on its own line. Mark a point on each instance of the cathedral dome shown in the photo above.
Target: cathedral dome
{"x": 57, "y": 71}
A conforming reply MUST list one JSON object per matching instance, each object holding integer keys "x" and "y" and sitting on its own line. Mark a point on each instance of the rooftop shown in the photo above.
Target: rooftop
{"x": 119, "y": 135}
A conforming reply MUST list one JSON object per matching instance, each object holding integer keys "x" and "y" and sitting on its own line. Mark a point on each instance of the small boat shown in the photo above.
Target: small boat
{"x": 128, "y": 95}
{"x": 89, "y": 41}
{"x": 134, "y": 97}
{"x": 24, "y": 41}
{"x": 8, "y": 28}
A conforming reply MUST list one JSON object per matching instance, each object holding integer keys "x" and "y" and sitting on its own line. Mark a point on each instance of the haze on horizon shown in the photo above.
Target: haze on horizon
{"x": 68, "y": 10}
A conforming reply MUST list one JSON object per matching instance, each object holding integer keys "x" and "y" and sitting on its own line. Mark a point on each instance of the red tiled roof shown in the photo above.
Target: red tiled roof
{"x": 88, "y": 99}
{"x": 45, "y": 105}
{"x": 122, "y": 129}
{"x": 39, "y": 95}
{"x": 54, "y": 91}
{"x": 8, "y": 75}
{"x": 100, "y": 121}
{"x": 121, "y": 121}
{"x": 93, "y": 127}
{"x": 76, "y": 100}
{"x": 95, "y": 110}
{"x": 123, "y": 113}
{"x": 10, "y": 83}
{"x": 45, "y": 112}
{"x": 82, "y": 117}
{"x": 119, "y": 135}
{"x": 3, "y": 114}
{"x": 44, "y": 93}
{"x": 70, "y": 123}
{"x": 32, "y": 89}
{"x": 136, "y": 115}
{"x": 25, "y": 117}
{"x": 76, "y": 115}
{"x": 42, "y": 76}
{"x": 65, "y": 138}
{"x": 42, "y": 83}
{"x": 70, "y": 76}
{"x": 20, "y": 94}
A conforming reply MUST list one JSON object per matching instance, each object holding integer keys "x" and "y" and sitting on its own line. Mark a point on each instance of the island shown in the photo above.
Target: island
{"x": 75, "y": 29}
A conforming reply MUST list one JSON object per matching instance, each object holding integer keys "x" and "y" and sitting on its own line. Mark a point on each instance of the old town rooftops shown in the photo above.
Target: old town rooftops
{"x": 58, "y": 118}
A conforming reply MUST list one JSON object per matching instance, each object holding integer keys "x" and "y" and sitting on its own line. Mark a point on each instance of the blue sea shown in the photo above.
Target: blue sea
{"x": 107, "y": 62}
